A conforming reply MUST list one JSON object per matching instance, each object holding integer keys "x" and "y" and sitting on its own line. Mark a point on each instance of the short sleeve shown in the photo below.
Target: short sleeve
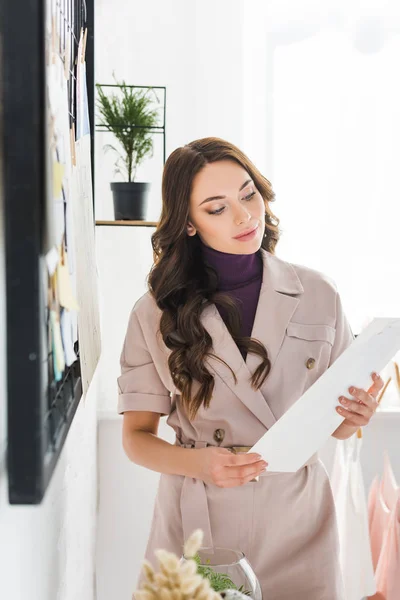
{"x": 139, "y": 385}
{"x": 344, "y": 335}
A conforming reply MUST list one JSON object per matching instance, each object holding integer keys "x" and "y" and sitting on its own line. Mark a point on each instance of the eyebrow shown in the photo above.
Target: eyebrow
{"x": 222, "y": 197}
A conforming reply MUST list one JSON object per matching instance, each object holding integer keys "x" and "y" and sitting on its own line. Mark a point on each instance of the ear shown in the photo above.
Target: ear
{"x": 191, "y": 230}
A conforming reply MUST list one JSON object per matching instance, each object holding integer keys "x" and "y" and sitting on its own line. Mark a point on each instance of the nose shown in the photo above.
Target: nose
{"x": 241, "y": 215}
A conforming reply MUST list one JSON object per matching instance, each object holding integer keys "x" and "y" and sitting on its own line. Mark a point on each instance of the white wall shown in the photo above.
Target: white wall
{"x": 47, "y": 551}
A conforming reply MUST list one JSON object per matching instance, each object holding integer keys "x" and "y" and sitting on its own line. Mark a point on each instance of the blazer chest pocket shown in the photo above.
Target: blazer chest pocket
{"x": 304, "y": 357}
{"x": 308, "y": 349}
{"x": 311, "y": 332}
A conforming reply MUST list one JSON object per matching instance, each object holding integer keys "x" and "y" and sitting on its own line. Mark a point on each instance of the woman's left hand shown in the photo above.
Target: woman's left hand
{"x": 359, "y": 410}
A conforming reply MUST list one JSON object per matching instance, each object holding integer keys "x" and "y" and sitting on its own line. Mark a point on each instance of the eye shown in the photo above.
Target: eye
{"x": 220, "y": 210}
{"x": 249, "y": 196}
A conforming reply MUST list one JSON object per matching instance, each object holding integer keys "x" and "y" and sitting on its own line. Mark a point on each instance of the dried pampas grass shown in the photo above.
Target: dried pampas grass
{"x": 178, "y": 580}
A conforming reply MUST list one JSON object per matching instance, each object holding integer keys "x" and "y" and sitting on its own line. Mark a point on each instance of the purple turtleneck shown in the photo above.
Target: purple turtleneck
{"x": 240, "y": 275}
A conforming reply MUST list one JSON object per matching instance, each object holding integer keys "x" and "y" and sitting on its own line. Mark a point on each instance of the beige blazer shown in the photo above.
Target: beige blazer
{"x": 284, "y": 523}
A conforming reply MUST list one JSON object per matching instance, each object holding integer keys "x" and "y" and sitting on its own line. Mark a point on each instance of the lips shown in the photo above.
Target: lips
{"x": 245, "y": 232}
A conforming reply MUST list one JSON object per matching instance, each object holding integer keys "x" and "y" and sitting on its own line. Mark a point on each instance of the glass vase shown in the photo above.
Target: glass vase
{"x": 227, "y": 569}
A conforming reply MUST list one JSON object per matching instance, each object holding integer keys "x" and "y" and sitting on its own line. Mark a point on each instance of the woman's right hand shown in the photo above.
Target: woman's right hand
{"x": 223, "y": 468}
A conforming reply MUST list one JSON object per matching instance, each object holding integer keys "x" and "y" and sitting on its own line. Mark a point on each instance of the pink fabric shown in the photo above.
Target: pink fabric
{"x": 372, "y": 499}
{"x": 388, "y": 570}
{"x": 378, "y": 527}
{"x": 389, "y": 485}
{"x": 381, "y": 502}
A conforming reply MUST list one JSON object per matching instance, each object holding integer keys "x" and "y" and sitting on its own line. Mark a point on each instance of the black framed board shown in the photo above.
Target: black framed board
{"x": 44, "y": 379}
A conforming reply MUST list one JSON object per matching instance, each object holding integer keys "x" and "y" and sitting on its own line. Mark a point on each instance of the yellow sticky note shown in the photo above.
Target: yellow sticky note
{"x": 66, "y": 296}
{"x": 58, "y": 174}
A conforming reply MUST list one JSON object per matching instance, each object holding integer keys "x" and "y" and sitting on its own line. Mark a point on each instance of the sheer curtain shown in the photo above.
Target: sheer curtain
{"x": 334, "y": 131}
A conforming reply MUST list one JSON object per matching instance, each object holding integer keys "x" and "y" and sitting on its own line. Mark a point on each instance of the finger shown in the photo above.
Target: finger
{"x": 242, "y": 458}
{"x": 246, "y": 470}
{"x": 377, "y": 385}
{"x": 356, "y": 407}
{"x": 369, "y": 396}
{"x": 351, "y": 417}
{"x": 242, "y": 478}
{"x": 361, "y": 396}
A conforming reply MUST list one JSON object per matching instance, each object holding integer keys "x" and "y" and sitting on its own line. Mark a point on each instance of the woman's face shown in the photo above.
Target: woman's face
{"x": 219, "y": 220}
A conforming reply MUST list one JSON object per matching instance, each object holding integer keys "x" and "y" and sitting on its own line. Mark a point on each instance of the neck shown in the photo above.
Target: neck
{"x": 234, "y": 270}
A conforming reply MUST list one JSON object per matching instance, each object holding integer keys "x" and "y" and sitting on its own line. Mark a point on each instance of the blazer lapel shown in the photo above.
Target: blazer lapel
{"x": 275, "y": 308}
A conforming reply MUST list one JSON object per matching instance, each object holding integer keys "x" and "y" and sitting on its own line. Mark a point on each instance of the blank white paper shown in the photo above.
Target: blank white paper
{"x": 307, "y": 425}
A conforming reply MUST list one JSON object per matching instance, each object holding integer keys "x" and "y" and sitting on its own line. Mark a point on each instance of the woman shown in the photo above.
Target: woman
{"x": 227, "y": 338}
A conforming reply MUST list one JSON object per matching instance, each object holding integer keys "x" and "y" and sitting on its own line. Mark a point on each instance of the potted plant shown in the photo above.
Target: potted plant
{"x": 129, "y": 115}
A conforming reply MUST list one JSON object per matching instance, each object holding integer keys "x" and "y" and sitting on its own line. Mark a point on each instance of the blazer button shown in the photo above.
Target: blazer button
{"x": 310, "y": 363}
{"x": 219, "y": 435}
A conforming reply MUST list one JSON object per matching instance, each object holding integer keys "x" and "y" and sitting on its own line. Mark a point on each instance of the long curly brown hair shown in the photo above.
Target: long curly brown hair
{"x": 182, "y": 284}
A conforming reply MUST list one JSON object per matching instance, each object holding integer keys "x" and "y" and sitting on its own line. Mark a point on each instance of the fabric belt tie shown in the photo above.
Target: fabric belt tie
{"x": 193, "y": 499}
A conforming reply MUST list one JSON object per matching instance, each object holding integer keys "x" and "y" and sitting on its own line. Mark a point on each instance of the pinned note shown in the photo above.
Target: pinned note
{"x": 67, "y": 333}
{"x": 58, "y": 174}
{"x": 66, "y": 296}
{"x": 52, "y": 258}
